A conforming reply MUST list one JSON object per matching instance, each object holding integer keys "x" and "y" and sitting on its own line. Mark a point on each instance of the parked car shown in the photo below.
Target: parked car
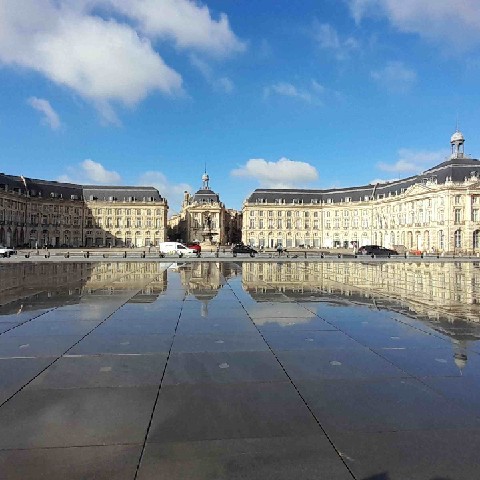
{"x": 376, "y": 250}
{"x": 196, "y": 246}
{"x": 241, "y": 248}
{"x": 175, "y": 248}
{"x": 6, "y": 251}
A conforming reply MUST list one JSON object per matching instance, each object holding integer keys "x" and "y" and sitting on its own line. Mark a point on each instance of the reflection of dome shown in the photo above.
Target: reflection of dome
{"x": 460, "y": 360}
{"x": 457, "y": 137}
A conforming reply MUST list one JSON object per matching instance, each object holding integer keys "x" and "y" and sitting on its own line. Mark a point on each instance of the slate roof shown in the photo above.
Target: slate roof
{"x": 457, "y": 169}
{"x": 72, "y": 191}
{"x": 206, "y": 196}
{"x": 120, "y": 193}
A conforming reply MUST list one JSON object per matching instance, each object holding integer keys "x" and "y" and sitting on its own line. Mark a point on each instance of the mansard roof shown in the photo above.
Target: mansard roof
{"x": 206, "y": 196}
{"x": 51, "y": 189}
{"x": 120, "y": 193}
{"x": 454, "y": 169}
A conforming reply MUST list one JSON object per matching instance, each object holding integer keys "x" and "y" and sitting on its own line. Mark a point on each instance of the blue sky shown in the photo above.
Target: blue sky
{"x": 298, "y": 93}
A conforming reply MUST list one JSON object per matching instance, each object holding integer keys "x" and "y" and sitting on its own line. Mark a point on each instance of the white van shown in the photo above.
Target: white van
{"x": 175, "y": 248}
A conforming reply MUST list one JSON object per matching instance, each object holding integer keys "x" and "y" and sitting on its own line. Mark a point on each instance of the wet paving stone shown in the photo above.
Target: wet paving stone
{"x": 412, "y": 455}
{"x": 433, "y": 362}
{"x": 15, "y": 373}
{"x": 75, "y": 417}
{"x": 213, "y": 411}
{"x": 278, "y": 458}
{"x": 223, "y": 367}
{"x": 91, "y": 371}
{"x": 336, "y": 363}
{"x": 245, "y": 370}
{"x": 95, "y": 344}
{"x": 36, "y": 346}
{"x": 383, "y": 405}
{"x": 75, "y": 463}
{"x": 247, "y": 342}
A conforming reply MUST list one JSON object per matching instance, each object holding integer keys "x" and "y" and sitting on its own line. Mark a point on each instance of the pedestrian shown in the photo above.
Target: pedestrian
{"x": 279, "y": 249}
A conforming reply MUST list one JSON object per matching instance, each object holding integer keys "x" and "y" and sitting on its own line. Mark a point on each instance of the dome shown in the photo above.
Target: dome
{"x": 457, "y": 137}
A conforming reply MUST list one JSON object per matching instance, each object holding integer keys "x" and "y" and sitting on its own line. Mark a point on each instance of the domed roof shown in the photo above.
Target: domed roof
{"x": 457, "y": 137}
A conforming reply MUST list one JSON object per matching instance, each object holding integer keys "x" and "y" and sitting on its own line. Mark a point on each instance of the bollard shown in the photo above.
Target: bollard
{"x": 389, "y": 256}
{"x": 47, "y": 255}
{"x": 405, "y": 254}
{"x": 87, "y": 255}
{"x": 373, "y": 255}
{"x": 322, "y": 255}
{"x": 421, "y": 255}
{"x": 305, "y": 254}
{"x": 67, "y": 255}
{"x": 27, "y": 255}
{"x": 339, "y": 256}
{"x": 142, "y": 255}
{"x": 105, "y": 255}
{"x": 125, "y": 254}
{"x": 355, "y": 256}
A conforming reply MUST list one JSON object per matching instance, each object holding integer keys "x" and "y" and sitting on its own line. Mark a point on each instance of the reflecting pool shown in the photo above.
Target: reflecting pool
{"x": 239, "y": 370}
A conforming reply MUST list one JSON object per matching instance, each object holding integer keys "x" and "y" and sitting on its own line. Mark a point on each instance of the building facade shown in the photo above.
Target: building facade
{"x": 437, "y": 210}
{"x": 38, "y": 213}
{"x": 205, "y": 219}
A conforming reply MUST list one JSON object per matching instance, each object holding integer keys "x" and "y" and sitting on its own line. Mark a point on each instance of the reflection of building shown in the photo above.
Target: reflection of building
{"x": 40, "y": 212}
{"x": 205, "y": 219}
{"x": 436, "y": 210}
{"x": 435, "y": 290}
{"x": 33, "y": 286}
{"x": 204, "y": 280}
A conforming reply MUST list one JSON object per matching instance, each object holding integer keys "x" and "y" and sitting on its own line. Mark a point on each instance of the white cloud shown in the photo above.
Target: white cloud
{"x": 414, "y": 161}
{"x": 328, "y": 38}
{"x": 188, "y": 23}
{"x": 284, "y": 173}
{"x": 313, "y": 93}
{"x": 90, "y": 172}
{"x": 109, "y": 61}
{"x": 451, "y": 23}
{"x": 289, "y": 90}
{"x": 172, "y": 192}
{"x": 223, "y": 84}
{"x": 50, "y": 117}
{"x": 382, "y": 181}
{"x": 395, "y": 76}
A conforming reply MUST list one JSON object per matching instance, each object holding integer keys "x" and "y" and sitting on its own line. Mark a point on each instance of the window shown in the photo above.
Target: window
{"x": 457, "y": 199}
{"x": 457, "y": 215}
{"x": 475, "y": 215}
{"x": 458, "y": 239}
{"x": 476, "y": 239}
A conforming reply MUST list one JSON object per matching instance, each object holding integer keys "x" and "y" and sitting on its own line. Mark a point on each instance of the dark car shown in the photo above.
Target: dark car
{"x": 241, "y": 248}
{"x": 376, "y": 250}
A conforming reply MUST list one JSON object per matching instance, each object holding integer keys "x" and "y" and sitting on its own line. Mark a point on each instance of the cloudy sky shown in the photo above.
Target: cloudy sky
{"x": 276, "y": 93}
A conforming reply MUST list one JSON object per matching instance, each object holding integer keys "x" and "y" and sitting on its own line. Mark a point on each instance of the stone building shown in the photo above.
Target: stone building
{"x": 204, "y": 218}
{"x": 37, "y": 213}
{"x": 437, "y": 210}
